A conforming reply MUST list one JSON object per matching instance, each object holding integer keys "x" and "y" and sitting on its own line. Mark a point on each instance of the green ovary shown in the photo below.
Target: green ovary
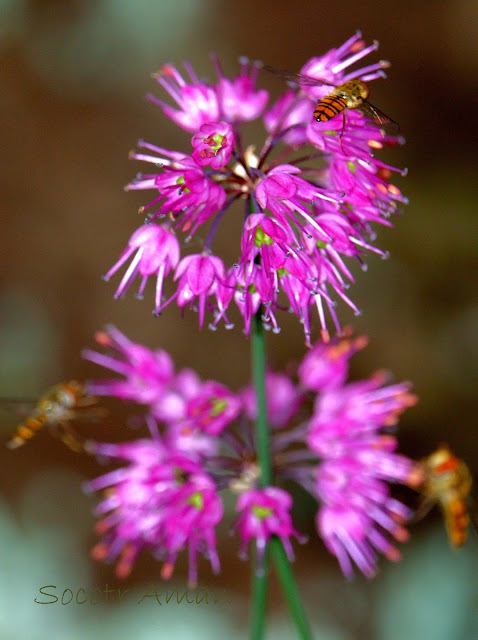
{"x": 218, "y": 407}
{"x": 215, "y": 142}
{"x": 196, "y": 500}
{"x": 262, "y": 238}
{"x": 261, "y": 512}
{"x": 180, "y": 181}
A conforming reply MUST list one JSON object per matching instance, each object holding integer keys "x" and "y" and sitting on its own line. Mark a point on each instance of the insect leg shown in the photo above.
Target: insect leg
{"x": 425, "y": 506}
{"x": 68, "y": 436}
{"x": 342, "y": 133}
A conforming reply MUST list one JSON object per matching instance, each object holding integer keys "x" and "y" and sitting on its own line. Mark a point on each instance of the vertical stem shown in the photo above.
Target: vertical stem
{"x": 259, "y": 578}
{"x": 284, "y": 570}
{"x": 259, "y": 379}
{"x": 259, "y": 597}
{"x": 289, "y": 587}
{"x": 262, "y": 441}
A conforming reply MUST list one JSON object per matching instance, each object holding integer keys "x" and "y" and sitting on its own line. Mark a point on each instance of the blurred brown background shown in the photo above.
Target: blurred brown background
{"x": 73, "y": 76}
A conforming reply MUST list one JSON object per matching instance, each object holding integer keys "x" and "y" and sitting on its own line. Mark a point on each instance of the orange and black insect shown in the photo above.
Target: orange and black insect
{"x": 349, "y": 95}
{"x": 447, "y": 481}
{"x": 55, "y": 410}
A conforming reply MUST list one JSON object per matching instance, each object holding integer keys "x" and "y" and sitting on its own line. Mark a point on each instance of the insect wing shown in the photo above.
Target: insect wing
{"x": 425, "y": 506}
{"x": 18, "y": 407}
{"x": 472, "y": 505}
{"x": 69, "y": 436}
{"x": 380, "y": 118}
{"x": 298, "y": 78}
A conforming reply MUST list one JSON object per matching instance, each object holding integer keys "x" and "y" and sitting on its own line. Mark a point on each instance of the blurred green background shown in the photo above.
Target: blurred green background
{"x": 73, "y": 77}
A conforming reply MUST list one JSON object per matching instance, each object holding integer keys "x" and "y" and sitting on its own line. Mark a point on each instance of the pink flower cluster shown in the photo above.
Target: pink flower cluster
{"x": 167, "y": 497}
{"x": 163, "y": 501}
{"x": 346, "y": 431}
{"x": 311, "y": 193}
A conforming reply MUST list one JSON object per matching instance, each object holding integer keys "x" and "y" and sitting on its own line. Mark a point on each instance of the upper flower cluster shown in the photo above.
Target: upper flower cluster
{"x": 311, "y": 193}
{"x": 167, "y": 497}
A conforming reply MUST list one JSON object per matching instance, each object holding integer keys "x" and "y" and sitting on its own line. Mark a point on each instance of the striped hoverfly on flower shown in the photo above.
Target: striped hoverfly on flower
{"x": 56, "y": 409}
{"x": 352, "y": 94}
{"x": 447, "y": 481}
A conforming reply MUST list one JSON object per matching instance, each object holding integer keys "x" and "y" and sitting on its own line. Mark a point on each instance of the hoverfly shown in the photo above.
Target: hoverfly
{"x": 447, "y": 481}
{"x": 55, "y": 409}
{"x": 349, "y": 95}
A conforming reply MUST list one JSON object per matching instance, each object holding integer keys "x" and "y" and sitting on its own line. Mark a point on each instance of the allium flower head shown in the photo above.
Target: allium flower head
{"x": 327, "y": 434}
{"x": 311, "y": 192}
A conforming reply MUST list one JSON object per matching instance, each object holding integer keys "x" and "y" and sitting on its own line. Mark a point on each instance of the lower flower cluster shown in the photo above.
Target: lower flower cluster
{"x": 167, "y": 496}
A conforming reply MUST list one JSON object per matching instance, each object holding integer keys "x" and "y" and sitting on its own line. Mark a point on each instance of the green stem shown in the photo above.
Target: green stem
{"x": 289, "y": 587}
{"x": 284, "y": 570}
{"x": 259, "y": 597}
{"x": 259, "y": 380}
{"x": 259, "y": 578}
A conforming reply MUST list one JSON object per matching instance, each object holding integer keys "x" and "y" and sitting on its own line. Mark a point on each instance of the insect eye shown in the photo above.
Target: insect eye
{"x": 449, "y": 465}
